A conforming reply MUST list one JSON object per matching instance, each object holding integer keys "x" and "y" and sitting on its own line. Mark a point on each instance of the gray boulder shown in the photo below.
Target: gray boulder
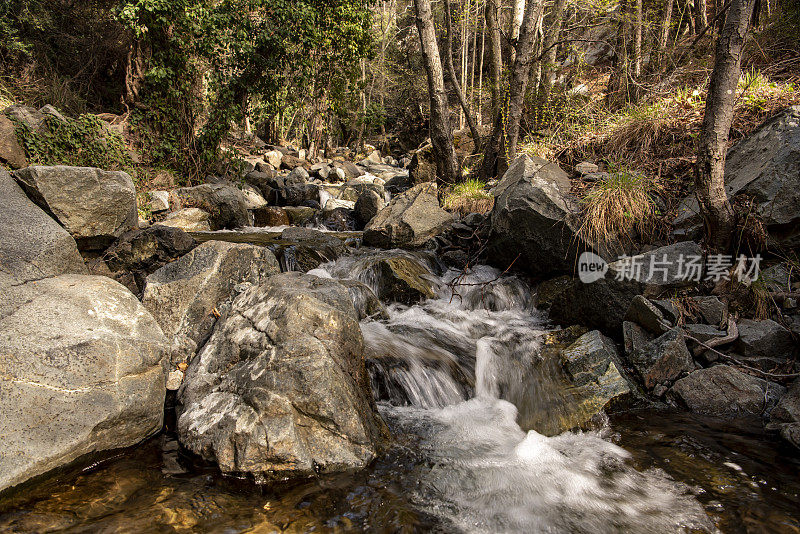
{"x": 534, "y": 219}
{"x": 367, "y": 206}
{"x": 663, "y": 360}
{"x": 184, "y": 296}
{"x": 189, "y": 220}
{"x": 225, "y": 203}
{"x": 281, "y": 390}
{"x": 95, "y": 206}
{"x": 32, "y": 245}
{"x": 409, "y": 220}
{"x": 11, "y": 152}
{"x": 764, "y": 344}
{"x": 82, "y": 371}
{"x": 765, "y": 166}
{"x": 722, "y": 391}
{"x": 297, "y": 195}
{"x": 298, "y": 176}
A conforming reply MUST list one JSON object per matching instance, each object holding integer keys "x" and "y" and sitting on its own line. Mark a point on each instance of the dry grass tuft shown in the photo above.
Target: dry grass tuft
{"x": 618, "y": 210}
{"x": 469, "y": 196}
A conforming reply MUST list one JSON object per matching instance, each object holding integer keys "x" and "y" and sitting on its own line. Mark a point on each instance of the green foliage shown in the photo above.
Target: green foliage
{"x": 81, "y": 142}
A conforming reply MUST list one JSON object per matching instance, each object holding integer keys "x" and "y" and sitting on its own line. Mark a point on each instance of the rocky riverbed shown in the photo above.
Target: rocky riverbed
{"x": 322, "y": 346}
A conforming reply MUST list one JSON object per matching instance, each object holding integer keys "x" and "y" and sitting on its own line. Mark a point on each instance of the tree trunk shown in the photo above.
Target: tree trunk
{"x": 550, "y": 53}
{"x": 451, "y": 71}
{"x": 618, "y": 86}
{"x": 710, "y": 169}
{"x": 480, "y": 76}
{"x": 441, "y": 132}
{"x": 663, "y": 38}
{"x": 491, "y": 148}
{"x": 637, "y": 42}
{"x": 520, "y": 75}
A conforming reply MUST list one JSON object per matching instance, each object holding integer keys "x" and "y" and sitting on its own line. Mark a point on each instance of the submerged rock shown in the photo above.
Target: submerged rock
{"x": 184, "y": 296}
{"x": 723, "y": 391}
{"x": 32, "y": 245}
{"x": 95, "y": 206}
{"x": 82, "y": 371}
{"x": 409, "y": 220}
{"x": 280, "y": 390}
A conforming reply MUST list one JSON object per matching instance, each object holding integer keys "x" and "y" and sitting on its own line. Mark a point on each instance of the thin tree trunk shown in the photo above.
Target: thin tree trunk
{"x": 549, "y": 59}
{"x": 637, "y": 42}
{"x": 480, "y": 76}
{"x": 491, "y": 149}
{"x": 451, "y": 71}
{"x": 710, "y": 169}
{"x": 701, "y": 8}
{"x": 441, "y": 132}
{"x": 618, "y": 86}
{"x": 663, "y": 37}
{"x": 520, "y": 75}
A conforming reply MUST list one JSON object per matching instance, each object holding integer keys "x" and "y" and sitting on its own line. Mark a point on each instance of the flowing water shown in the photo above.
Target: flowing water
{"x": 458, "y": 378}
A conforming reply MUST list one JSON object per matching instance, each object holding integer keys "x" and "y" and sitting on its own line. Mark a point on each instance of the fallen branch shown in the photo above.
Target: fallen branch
{"x": 733, "y": 335}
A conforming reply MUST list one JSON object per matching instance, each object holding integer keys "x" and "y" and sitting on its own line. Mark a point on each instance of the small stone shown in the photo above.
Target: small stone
{"x": 174, "y": 380}
{"x": 585, "y": 167}
{"x": 159, "y": 201}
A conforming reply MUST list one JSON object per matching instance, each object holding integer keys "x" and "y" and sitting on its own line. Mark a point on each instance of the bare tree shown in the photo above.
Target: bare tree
{"x": 549, "y": 55}
{"x": 441, "y": 132}
{"x": 710, "y": 169}
{"x": 451, "y": 71}
{"x": 637, "y": 42}
{"x": 498, "y": 154}
{"x": 663, "y": 37}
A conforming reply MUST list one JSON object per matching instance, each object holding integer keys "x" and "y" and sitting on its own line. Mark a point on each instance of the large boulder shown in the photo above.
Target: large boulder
{"x": 225, "y": 203}
{"x": 723, "y": 391}
{"x": 189, "y": 220}
{"x": 534, "y": 219}
{"x": 32, "y": 245}
{"x": 95, "y": 206}
{"x": 765, "y": 166}
{"x": 765, "y": 344}
{"x": 140, "y": 253}
{"x": 409, "y": 220}
{"x": 280, "y": 390}
{"x": 367, "y": 206}
{"x": 423, "y": 166}
{"x": 661, "y": 361}
{"x": 82, "y": 371}
{"x": 11, "y": 152}
{"x": 184, "y": 296}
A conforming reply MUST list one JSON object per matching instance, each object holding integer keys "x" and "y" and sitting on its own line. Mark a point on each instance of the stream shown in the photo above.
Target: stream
{"x": 452, "y": 378}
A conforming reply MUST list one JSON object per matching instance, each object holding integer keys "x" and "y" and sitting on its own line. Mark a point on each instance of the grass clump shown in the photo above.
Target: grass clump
{"x": 469, "y": 196}
{"x": 618, "y": 209}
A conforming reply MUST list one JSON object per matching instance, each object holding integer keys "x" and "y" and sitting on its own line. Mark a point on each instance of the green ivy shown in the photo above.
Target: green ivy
{"x": 81, "y": 142}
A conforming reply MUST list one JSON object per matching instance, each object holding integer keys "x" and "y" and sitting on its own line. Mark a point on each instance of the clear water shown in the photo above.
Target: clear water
{"x": 453, "y": 380}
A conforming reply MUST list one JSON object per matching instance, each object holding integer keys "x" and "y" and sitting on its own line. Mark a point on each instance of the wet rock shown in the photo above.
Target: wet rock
{"x": 401, "y": 279}
{"x": 140, "y": 253}
{"x": 340, "y": 219}
{"x": 765, "y": 167}
{"x": 300, "y": 215}
{"x": 335, "y": 203}
{"x": 82, "y": 372}
{"x": 189, "y": 220}
{"x": 32, "y": 245}
{"x": 280, "y": 390}
{"x": 225, "y": 204}
{"x": 367, "y": 206}
{"x": 533, "y": 220}
{"x": 723, "y": 391}
{"x": 11, "y": 152}
{"x": 663, "y": 360}
{"x": 409, "y": 220}
{"x": 185, "y": 296}
{"x": 93, "y": 205}
{"x": 307, "y": 249}
{"x": 271, "y": 216}
{"x": 785, "y": 417}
